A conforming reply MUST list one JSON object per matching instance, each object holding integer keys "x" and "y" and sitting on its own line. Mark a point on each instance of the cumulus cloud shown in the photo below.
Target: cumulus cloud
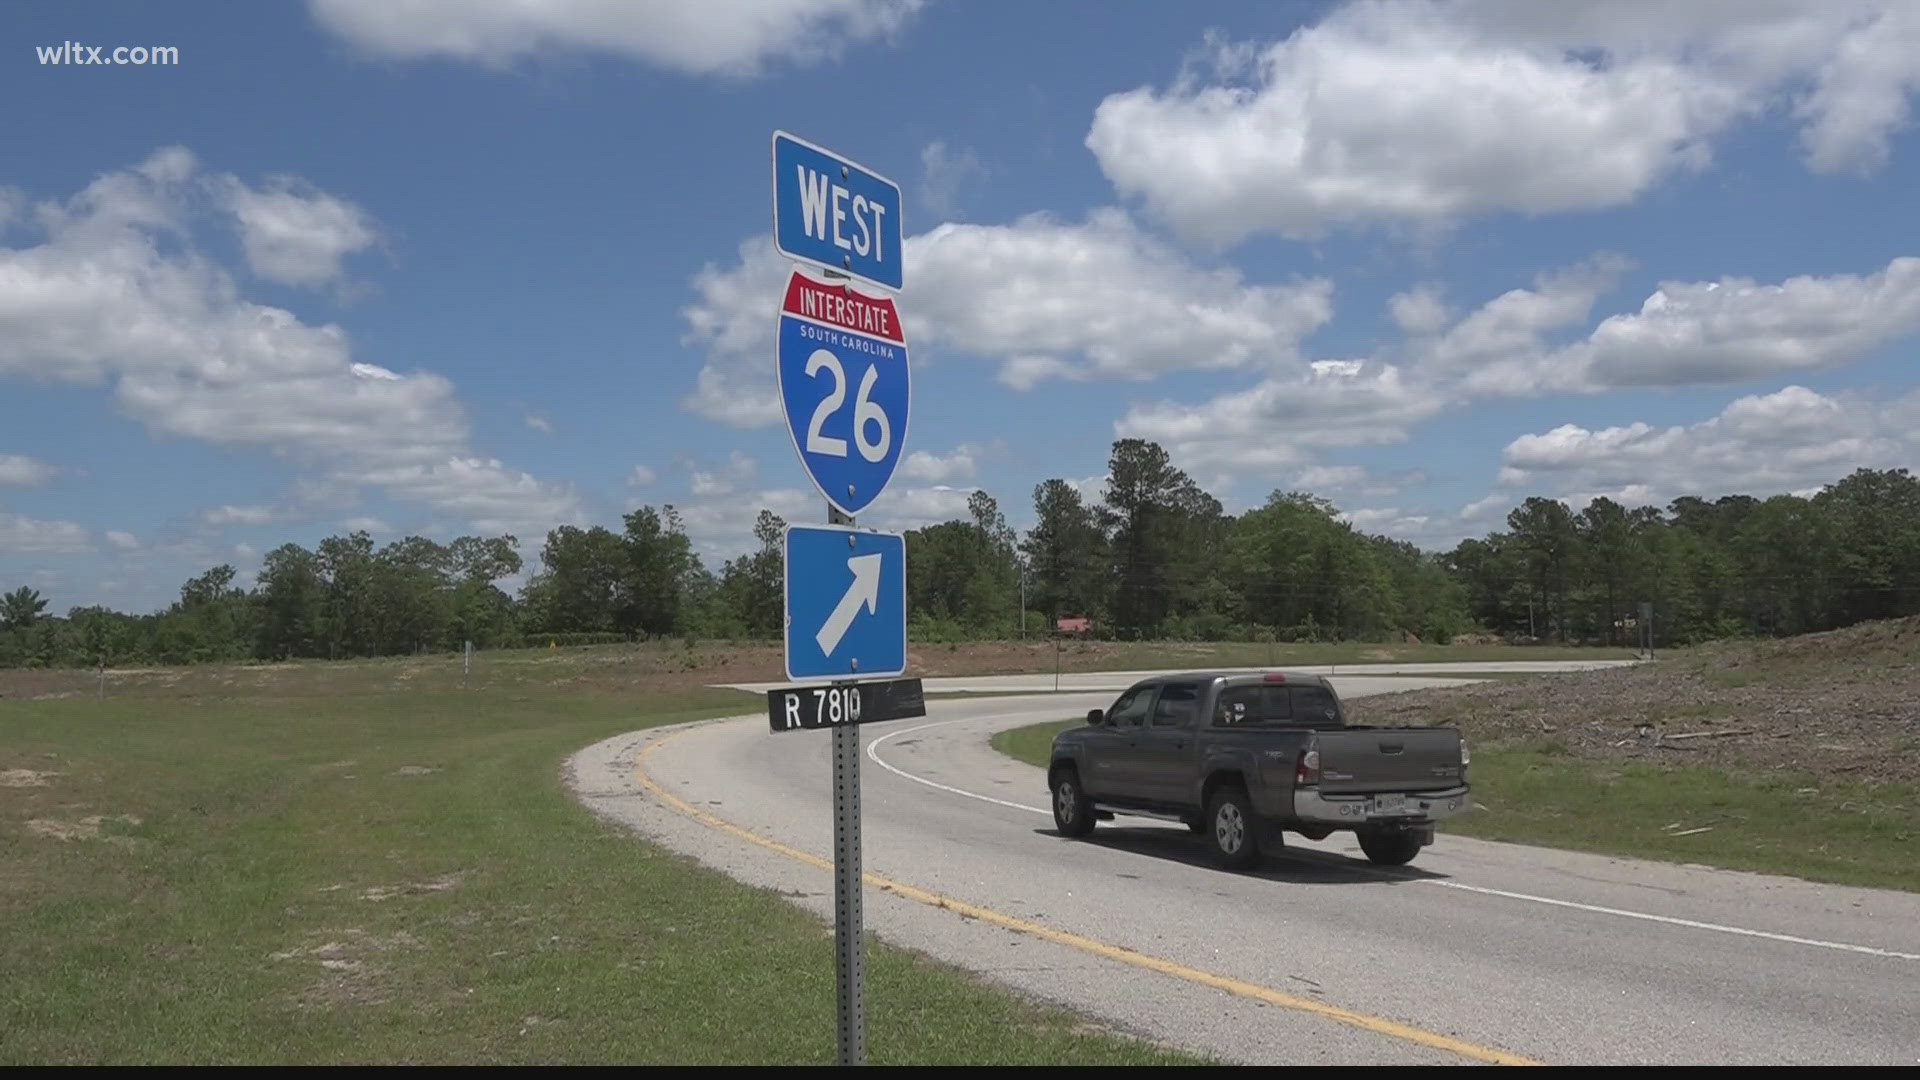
{"x": 1730, "y": 330}
{"x": 292, "y": 232}
{"x": 19, "y": 470}
{"x": 641, "y": 476}
{"x": 1789, "y": 440}
{"x": 1045, "y": 299}
{"x": 738, "y": 38}
{"x": 239, "y": 515}
{"x": 1419, "y": 310}
{"x": 24, "y": 534}
{"x": 737, "y": 474}
{"x": 1279, "y": 423}
{"x": 117, "y": 292}
{"x": 944, "y": 172}
{"x": 540, "y": 423}
{"x": 1423, "y": 112}
{"x": 123, "y": 541}
{"x": 928, "y": 467}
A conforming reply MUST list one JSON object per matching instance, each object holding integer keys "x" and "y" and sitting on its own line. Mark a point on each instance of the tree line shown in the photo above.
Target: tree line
{"x": 1156, "y": 557}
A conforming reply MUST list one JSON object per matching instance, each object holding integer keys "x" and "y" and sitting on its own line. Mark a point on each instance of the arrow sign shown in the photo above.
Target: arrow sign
{"x": 846, "y": 597}
{"x": 864, "y": 592}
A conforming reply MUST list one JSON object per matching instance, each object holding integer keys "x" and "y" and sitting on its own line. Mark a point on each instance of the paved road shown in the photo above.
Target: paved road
{"x": 1074, "y": 681}
{"x": 1477, "y": 952}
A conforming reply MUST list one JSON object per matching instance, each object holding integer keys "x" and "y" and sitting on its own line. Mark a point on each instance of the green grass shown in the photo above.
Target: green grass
{"x": 1802, "y": 826}
{"x": 268, "y": 886}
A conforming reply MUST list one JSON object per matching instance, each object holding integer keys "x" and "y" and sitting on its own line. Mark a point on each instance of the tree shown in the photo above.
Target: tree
{"x": 1152, "y": 512}
{"x": 20, "y": 608}
{"x": 291, "y": 591}
{"x": 1065, "y": 551}
{"x": 1543, "y": 532}
{"x": 659, "y": 560}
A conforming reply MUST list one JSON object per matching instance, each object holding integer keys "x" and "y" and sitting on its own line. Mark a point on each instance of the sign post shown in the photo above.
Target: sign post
{"x": 842, "y": 368}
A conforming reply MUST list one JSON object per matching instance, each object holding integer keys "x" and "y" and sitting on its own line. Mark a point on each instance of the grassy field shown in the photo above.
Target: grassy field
{"x": 370, "y": 876}
{"x": 1776, "y": 822}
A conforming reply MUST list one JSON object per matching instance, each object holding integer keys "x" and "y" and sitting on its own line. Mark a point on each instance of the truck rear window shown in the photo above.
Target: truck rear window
{"x": 1265, "y": 704}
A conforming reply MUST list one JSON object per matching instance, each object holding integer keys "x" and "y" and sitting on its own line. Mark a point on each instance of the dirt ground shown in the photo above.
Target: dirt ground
{"x": 1845, "y": 703}
{"x": 649, "y": 667}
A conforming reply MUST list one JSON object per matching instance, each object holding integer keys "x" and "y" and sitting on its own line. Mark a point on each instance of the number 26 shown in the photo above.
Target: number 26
{"x": 864, "y": 411}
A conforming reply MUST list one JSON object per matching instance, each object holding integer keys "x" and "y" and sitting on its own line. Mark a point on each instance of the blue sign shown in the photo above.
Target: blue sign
{"x": 842, "y": 368}
{"x": 832, "y": 213}
{"x": 846, "y": 600}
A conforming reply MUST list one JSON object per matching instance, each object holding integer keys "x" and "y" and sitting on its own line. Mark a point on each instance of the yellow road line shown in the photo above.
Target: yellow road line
{"x": 1376, "y": 1024}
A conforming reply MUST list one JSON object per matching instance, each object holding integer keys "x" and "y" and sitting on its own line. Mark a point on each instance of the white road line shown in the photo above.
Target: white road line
{"x": 1743, "y": 931}
{"x": 873, "y": 751}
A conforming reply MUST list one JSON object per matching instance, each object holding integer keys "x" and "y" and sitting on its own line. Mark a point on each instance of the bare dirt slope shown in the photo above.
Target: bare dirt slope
{"x": 1845, "y": 702}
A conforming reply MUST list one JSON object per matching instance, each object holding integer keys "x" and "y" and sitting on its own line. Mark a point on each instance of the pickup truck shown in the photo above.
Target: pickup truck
{"x": 1240, "y": 758}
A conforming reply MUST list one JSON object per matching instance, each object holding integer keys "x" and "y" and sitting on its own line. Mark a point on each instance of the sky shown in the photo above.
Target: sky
{"x": 454, "y": 267}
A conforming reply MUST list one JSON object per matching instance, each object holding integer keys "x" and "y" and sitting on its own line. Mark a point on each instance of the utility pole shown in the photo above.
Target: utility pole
{"x": 1023, "y": 603}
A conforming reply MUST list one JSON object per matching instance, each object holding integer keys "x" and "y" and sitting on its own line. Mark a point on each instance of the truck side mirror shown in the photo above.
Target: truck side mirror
{"x": 1096, "y": 716}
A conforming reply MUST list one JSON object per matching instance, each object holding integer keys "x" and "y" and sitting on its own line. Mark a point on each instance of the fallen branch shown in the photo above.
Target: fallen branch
{"x": 1709, "y": 734}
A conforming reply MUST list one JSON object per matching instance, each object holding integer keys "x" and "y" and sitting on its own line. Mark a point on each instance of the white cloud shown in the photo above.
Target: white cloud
{"x": 123, "y": 541}
{"x": 19, "y": 470}
{"x": 1731, "y": 330}
{"x": 928, "y": 467}
{"x": 1419, "y": 310}
{"x": 1764, "y": 444}
{"x": 540, "y": 423}
{"x": 23, "y": 534}
{"x": 1277, "y": 424}
{"x": 118, "y": 293}
{"x": 1417, "y": 112}
{"x": 294, "y": 233}
{"x": 943, "y": 173}
{"x": 641, "y": 476}
{"x": 370, "y": 525}
{"x": 1046, "y": 299}
{"x": 721, "y": 528}
{"x": 240, "y": 515}
{"x": 738, "y": 473}
{"x": 1101, "y": 297}
{"x": 245, "y": 551}
{"x": 484, "y": 493}
{"x": 735, "y": 38}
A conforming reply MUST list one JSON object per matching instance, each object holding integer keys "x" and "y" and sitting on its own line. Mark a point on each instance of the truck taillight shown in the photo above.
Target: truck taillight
{"x": 1307, "y": 770}
{"x": 1465, "y": 757}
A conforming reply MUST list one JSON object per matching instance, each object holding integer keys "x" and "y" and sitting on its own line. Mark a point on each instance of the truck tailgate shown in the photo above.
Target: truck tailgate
{"x": 1389, "y": 759}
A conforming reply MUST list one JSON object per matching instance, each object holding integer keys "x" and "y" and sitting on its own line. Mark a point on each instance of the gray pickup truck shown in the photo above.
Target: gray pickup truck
{"x": 1241, "y": 757}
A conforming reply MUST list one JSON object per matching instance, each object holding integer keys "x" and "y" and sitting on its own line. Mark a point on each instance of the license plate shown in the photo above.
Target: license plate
{"x": 1389, "y": 804}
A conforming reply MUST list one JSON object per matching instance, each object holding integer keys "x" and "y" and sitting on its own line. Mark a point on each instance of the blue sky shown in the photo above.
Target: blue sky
{"x": 445, "y": 268}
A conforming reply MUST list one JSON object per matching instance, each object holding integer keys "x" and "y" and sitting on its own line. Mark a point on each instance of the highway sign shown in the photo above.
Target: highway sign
{"x": 846, "y": 601}
{"x": 842, "y": 369}
{"x": 835, "y": 214}
{"x": 792, "y": 708}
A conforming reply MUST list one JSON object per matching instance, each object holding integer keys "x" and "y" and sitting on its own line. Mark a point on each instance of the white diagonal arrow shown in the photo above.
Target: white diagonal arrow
{"x": 865, "y": 590}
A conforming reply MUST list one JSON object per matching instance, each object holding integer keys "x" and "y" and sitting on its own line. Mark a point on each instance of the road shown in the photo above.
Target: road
{"x": 1478, "y": 952}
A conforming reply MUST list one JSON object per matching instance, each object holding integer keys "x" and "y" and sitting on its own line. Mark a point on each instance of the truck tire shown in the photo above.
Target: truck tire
{"x": 1389, "y": 847}
{"x": 1072, "y": 810}
{"x": 1232, "y": 830}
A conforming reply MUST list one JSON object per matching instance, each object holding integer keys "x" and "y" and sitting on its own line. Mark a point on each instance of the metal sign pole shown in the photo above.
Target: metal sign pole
{"x": 848, "y": 934}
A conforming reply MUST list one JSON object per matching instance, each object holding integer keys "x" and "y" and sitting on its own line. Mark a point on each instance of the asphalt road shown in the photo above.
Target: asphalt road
{"x": 1476, "y": 952}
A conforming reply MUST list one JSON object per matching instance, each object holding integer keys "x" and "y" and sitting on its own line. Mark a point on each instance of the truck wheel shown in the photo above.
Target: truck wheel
{"x": 1072, "y": 810}
{"x": 1390, "y": 848}
{"x": 1232, "y": 829}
